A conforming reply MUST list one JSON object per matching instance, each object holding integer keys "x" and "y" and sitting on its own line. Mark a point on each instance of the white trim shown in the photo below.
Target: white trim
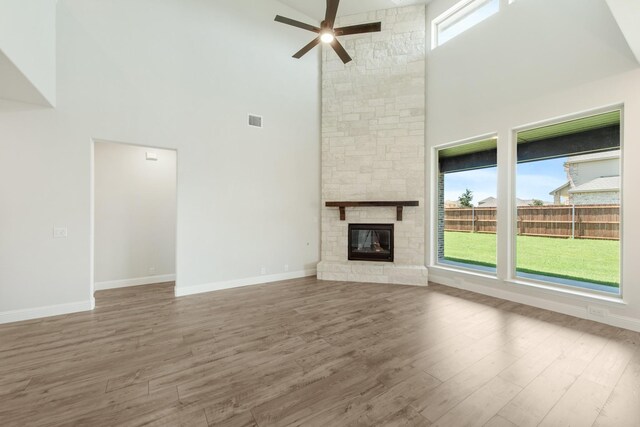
{"x": 466, "y": 141}
{"x": 548, "y": 286}
{"x": 463, "y": 283}
{"x": 249, "y": 281}
{"x": 457, "y": 13}
{"x": 599, "y": 190}
{"x": 606, "y": 156}
{"x": 47, "y": 311}
{"x": 488, "y": 287}
{"x": 138, "y": 281}
{"x": 620, "y": 321}
{"x": 573, "y": 116}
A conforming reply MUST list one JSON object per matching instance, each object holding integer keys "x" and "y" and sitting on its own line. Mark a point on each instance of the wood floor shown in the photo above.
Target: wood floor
{"x": 312, "y": 353}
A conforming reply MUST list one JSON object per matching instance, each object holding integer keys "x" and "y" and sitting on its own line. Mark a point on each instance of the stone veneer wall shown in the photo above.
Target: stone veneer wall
{"x": 373, "y": 143}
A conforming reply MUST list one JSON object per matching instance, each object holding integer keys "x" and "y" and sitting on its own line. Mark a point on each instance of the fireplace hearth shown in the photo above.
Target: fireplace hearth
{"x": 371, "y": 242}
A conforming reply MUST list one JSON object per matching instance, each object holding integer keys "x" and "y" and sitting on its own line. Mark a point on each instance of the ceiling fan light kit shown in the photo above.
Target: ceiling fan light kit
{"x": 327, "y": 33}
{"x": 327, "y": 36}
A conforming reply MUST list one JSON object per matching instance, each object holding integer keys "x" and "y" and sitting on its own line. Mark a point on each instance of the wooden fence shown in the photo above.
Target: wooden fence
{"x": 580, "y": 222}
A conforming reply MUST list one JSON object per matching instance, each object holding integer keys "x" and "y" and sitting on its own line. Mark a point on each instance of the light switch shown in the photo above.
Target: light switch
{"x": 60, "y": 232}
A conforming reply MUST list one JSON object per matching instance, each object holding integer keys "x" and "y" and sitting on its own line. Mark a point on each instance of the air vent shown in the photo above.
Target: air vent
{"x": 255, "y": 121}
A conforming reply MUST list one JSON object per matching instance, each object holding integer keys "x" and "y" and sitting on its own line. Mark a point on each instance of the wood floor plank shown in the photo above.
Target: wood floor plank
{"x": 449, "y": 394}
{"x": 580, "y": 406}
{"x": 607, "y": 367}
{"x": 537, "y": 360}
{"x": 380, "y": 405}
{"x": 481, "y": 406}
{"x": 530, "y": 406}
{"x": 406, "y": 417}
{"x": 623, "y": 406}
{"x": 498, "y": 421}
{"x": 308, "y": 352}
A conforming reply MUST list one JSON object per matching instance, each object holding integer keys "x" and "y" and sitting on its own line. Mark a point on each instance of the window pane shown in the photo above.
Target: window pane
{"x": 461, "y": 17}
{"x": 568, "y": 204}
{"x": 468, "y": 205}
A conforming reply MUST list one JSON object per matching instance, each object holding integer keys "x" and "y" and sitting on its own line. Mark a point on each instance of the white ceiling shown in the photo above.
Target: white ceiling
{"x": 15, "y": 86}
{"x": 316, "y": 8}
{"x": 627, "y": 14}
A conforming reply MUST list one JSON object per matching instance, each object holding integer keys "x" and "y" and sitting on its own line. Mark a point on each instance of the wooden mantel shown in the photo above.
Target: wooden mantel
{"x": 398, "y": 206}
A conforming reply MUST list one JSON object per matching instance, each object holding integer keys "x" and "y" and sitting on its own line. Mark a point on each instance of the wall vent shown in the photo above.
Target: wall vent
{"x": 255, "y": 121}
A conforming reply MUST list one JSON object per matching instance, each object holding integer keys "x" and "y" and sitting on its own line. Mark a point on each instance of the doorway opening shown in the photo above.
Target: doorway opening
{"x": 134, "y": 215}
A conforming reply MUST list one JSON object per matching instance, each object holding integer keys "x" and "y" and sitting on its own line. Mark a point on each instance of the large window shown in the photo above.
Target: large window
{"x": 467, "y": 181}
{"x": 460, "y": 18}
{"x": 568, "y": 203}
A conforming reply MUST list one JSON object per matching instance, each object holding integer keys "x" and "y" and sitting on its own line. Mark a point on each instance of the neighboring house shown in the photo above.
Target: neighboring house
{"x": 450, "y": 204}
{"x": 492, "y": 202}
{"x": 592, "y": 179}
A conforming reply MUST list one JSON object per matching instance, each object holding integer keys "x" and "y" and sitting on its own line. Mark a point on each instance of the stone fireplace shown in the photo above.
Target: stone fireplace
{"x": 373, "y": 149}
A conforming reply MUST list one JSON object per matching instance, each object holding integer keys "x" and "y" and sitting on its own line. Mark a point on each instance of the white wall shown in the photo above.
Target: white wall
{"x": 180, "y": 74}
{"x": 135, "y": 215}
{"x": 626, "y": 13}
{"x": 584, "y": 172}
{"x": 28, "y": 41}
{"x": 534, "y": 61}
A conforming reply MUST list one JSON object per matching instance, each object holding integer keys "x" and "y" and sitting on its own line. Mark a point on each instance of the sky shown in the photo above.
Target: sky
{"x": 534, "y": 180}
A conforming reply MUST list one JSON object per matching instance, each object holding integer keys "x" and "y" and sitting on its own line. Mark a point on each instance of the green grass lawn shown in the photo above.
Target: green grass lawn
{"x": 594, "y": 261}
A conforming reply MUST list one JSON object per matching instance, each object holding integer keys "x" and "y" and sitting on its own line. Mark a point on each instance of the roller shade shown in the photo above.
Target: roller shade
{"x": 475, "y": 155}
{"x": 591, "y": 134}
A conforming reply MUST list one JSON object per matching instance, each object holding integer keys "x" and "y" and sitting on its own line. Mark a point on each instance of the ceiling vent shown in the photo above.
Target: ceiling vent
{"x": 255, "y": 121}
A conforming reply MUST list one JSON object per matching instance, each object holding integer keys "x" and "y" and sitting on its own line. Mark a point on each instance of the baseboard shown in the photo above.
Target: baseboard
{"x": 48, "y": 311}
{"x": 249, "y": 281}
{"x": 619, "y": 321}
{"x": 139, "y": 281}
{"x": 623, "y": 322}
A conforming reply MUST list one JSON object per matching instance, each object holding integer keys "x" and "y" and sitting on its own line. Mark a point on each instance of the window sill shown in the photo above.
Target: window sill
{"x": 460, "y": 268}
{"x": 550, "y": 288}
{"x": 541, "y": 288}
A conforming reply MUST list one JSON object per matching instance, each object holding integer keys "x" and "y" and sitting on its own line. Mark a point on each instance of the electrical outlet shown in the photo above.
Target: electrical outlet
{"x": 152, "y": 270}
{"x": 60, "y": 232}
{"x": 597, "y": 311}
{"x": 286, "y": 267}
{"x": 263, "y": 270}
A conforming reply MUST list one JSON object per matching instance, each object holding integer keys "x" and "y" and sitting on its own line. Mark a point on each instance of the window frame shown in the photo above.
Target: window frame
{"x": 451, "y": 13}
{"x": 435, "y": 212}
{"x": 513, "y": 277}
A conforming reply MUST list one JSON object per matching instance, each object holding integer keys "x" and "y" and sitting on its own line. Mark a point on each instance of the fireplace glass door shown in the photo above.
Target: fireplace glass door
{"x": 371, "y": 242}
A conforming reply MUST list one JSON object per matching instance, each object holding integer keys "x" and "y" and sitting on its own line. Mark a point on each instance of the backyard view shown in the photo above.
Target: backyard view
{"x": 594, "y": 261}
{"x": 566, "y": 224}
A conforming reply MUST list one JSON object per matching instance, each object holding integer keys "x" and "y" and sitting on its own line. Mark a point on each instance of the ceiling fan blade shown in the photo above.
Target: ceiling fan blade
{"x": 332, "y": 12}
{"x": 372, "y": 27}
{"x": 298, "y": 24}
{"x": 342, "y": 53}
{"x": 307, "y": 48}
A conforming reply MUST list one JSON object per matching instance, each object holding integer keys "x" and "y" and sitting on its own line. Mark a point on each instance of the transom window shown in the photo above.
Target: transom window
{"x": 460, "y": 18}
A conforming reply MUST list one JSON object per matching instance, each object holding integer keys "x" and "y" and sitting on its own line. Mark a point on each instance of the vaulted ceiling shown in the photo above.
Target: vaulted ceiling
{"x": 627, "y": 14}
{"x": 316, "y": 8}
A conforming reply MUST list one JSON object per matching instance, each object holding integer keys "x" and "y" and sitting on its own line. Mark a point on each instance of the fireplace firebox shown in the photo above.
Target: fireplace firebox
{"x": 371, "y": 242}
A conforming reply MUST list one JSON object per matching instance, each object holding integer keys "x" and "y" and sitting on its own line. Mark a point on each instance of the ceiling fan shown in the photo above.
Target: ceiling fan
{"x": 327, "y": 33}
